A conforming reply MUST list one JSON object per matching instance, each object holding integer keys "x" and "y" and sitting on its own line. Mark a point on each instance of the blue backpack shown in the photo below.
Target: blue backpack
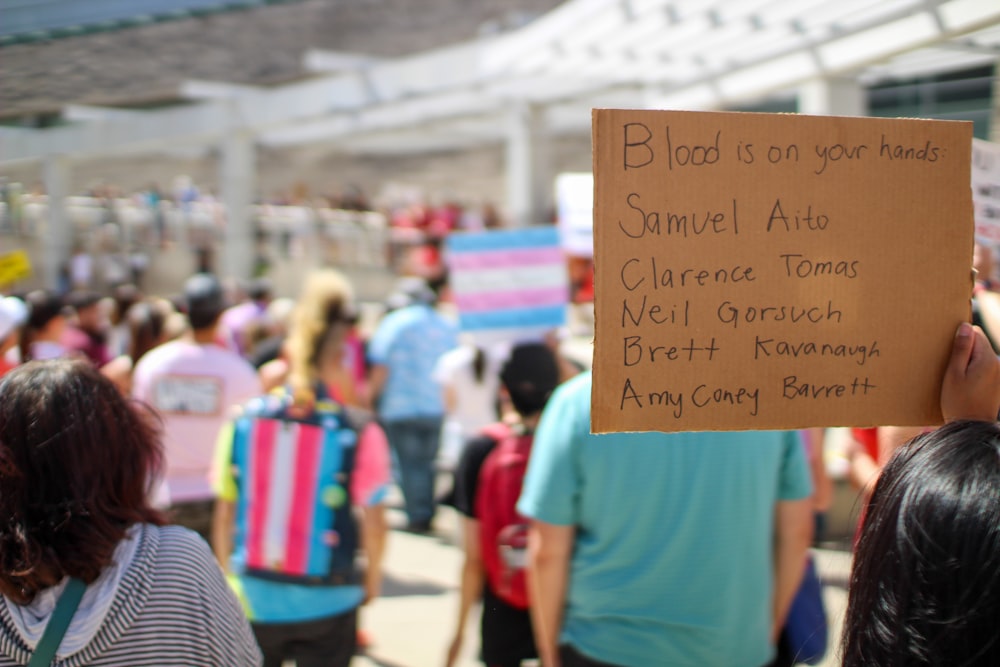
{"x": 294, "y": 520}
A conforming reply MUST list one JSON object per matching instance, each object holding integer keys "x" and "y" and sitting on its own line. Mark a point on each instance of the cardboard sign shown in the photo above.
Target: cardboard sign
{"x": 760, "y": 271}
{"x": 508, "y": 285}
{"x": 986, "y": 190}
{"x": 14, "y": 266}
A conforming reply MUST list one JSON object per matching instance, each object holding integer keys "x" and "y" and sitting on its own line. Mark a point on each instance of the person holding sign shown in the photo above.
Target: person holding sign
{"x": 924, "y": 588}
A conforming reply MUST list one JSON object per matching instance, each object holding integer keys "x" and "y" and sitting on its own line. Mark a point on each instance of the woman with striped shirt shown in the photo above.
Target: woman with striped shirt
{"x": 76, "y": 464}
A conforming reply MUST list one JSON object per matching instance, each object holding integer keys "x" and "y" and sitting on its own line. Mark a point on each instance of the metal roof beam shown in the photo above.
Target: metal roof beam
{"x": 321, "y": 61}
{"x": 200, "y": 89}
{"x": 138, "y": 132}
{"x": 837, "y": 54}
{"x": 82, "y": 113}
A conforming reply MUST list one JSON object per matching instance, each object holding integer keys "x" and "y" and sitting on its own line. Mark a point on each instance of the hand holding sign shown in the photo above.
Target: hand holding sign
{"x": 971, "y": 386}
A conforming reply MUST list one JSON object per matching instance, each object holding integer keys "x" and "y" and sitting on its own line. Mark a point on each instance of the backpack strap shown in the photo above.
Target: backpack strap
{"x": 59, "y": 622}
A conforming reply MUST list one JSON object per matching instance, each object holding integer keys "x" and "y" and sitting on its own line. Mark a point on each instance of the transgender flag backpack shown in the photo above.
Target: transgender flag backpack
{"x": 293, "y": 514}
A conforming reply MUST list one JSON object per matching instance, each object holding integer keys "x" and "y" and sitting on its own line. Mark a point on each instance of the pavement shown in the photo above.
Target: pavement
{"x": 411, "y": 624}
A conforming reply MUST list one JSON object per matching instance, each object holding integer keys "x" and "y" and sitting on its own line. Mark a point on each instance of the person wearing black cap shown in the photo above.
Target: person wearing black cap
{"x": 528, "y": 377}
{"x": 193, "y": 384}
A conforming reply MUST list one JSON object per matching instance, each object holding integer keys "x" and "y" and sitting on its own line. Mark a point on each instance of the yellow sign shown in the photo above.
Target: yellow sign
{"x": 14, "y": 266}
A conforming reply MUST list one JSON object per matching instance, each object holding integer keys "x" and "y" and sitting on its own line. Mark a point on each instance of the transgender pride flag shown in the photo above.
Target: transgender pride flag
{"x": 288, "y": 472}
{"x": 508, "y": 284}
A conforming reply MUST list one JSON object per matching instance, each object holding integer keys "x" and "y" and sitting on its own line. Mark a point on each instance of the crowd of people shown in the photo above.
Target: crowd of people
{"x": 137, "y": 430}
{"x": 121, "y": 230}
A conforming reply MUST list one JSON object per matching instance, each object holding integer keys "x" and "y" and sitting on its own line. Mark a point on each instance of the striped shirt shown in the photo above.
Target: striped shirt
{"x": 173, "y": 607}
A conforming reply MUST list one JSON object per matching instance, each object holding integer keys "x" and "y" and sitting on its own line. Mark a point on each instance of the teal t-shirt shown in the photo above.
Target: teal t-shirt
{"x": 673, "y": 558}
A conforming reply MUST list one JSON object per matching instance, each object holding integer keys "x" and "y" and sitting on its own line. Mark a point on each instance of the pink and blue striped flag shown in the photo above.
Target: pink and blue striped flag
{"x": 508, "y": 284}
{"x": 286, "y": 511}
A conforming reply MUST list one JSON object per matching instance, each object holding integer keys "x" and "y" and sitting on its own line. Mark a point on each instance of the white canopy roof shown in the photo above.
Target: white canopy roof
{"x": 689, "y": 54}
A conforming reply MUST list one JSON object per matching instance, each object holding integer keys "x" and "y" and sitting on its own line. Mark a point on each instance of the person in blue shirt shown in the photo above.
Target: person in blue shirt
{"x": 403, "y": 352}
{"x": 661, "y": 549}
{"x": 682, "y": 548}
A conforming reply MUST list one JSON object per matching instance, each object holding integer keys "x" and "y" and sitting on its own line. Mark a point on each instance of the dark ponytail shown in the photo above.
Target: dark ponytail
{"x": 479, "y": 364}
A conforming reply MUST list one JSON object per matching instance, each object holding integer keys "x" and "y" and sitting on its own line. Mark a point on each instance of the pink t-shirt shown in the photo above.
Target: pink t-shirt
{"x": 235, "y": 322}
{"x": 372, "y": 469}
{"x": 194, "y": 389}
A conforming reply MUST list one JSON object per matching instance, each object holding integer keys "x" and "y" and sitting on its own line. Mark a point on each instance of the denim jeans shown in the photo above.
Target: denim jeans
{"x": 415, "y": 442}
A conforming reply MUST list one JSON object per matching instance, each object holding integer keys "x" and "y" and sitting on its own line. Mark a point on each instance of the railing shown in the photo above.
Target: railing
{"x": 354, "y": 238}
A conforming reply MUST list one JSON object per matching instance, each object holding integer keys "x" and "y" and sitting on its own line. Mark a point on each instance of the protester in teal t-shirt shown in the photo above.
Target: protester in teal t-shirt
{"x": 669, "y": 542}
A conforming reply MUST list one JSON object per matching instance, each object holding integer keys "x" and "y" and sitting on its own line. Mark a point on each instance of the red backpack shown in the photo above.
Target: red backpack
{"x": 503, "y": 533}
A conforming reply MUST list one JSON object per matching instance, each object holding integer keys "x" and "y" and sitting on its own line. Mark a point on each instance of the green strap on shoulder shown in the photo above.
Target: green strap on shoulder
{"x": 58, "y": 624}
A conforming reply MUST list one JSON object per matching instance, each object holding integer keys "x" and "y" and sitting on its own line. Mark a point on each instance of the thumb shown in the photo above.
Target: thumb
{"x": 961, "y": 349}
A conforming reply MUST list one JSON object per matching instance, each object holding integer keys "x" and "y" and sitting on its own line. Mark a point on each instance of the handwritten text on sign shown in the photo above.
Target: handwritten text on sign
{"x": 760, "y": 271}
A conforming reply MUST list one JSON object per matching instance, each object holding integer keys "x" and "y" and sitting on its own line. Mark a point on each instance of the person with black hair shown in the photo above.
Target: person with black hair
{"x": 193, "y": 383}
{"x": 469, "y": 377}
{"x": 528, "y": 377}
{"x": 41, "y": 336}
{"x": 924, "y": 587}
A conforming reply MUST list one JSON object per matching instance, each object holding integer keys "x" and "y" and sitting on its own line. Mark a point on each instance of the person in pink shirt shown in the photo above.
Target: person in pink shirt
{"x": 237, "y": 322}
{"x": 193, "y": 384}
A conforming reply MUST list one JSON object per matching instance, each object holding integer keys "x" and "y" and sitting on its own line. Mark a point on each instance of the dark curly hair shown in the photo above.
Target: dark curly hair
{"x": 925, "y": 585}
{"x": 77, "y": 461}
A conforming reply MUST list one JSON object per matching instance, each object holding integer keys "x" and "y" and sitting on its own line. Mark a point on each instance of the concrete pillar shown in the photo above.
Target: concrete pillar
{"x": 58, "y": 238}
{"x": 528, "y": 171}
{"x": 833, "y": 96}
{"x": 995, "y": 115}
{"x": 238, "y": 180}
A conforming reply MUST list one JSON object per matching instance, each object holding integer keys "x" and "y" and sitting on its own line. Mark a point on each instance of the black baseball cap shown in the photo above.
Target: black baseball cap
{"x": 530, "y": 375}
